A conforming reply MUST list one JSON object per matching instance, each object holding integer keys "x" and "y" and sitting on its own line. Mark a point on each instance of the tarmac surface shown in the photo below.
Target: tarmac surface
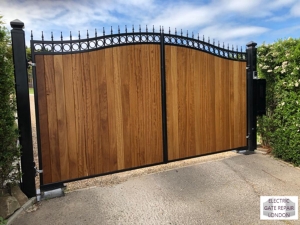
{"x": 225, "y": 191}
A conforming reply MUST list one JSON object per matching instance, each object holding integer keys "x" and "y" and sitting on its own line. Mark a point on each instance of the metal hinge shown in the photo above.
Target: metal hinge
{"x": 31, "y": 64}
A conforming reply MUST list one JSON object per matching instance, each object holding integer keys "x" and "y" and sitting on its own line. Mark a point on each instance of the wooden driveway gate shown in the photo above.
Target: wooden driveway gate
{"x": 128, "y": 100}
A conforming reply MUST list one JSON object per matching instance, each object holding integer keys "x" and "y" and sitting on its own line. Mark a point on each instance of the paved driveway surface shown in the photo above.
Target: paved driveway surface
{"x": 226, "y": 191}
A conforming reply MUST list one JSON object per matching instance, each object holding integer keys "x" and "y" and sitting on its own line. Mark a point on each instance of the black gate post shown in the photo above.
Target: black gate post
{"x": 23, "y": 108}
{"x": 251, "y": 114}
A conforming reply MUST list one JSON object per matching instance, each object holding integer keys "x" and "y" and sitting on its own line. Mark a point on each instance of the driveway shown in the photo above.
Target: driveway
{"x": 224, "y": 191}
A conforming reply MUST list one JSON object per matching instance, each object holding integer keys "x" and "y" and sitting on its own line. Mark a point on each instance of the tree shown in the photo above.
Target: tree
{"x": 279, "y": 64}
{"x": 9, "y": 151}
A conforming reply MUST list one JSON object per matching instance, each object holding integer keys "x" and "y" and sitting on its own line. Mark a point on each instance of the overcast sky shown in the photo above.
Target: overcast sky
{"x": 231, "y": 21}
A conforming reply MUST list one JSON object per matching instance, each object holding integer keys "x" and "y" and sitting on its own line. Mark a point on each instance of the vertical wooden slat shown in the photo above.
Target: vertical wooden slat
{"x": 43, "y": 119}
{"x": 109, "y": 70}
{"x": 70, "y": 116}
{"x": 62, "y": 132}
{"x": 88, "y": 151}
{"x": 52, "y": 118}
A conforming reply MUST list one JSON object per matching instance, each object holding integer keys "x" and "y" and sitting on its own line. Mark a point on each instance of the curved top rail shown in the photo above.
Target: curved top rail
{"x": 121, "y": 39}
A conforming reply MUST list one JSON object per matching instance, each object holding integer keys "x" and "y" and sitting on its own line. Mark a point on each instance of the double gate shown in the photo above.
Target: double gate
{"x": 122, "y": 101}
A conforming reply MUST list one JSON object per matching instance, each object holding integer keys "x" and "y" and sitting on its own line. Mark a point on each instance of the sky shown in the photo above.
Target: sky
{"x": 234, "y": 22}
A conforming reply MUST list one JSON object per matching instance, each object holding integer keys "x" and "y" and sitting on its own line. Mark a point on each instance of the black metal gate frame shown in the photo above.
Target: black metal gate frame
{"x": 42, "y": 47}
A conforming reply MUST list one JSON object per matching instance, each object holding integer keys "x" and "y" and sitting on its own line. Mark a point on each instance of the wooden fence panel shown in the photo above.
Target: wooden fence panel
{"x": 206, "y": 103}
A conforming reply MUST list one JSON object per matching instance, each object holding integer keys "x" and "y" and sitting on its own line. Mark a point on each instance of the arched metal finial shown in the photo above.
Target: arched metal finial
{"x": 42, "y": 35}
{"x": 31, "y": 36}
{"x": 79, "y": 34}
{"x": 61, "y": 36}
{"x": 87, "y": 34}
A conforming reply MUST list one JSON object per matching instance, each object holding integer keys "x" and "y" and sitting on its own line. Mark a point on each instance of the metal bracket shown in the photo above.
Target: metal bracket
{"x": 37, "y": 171}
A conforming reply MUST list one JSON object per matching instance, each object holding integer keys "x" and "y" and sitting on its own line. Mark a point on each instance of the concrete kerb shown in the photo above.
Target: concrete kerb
{"x": 28, "y": 204}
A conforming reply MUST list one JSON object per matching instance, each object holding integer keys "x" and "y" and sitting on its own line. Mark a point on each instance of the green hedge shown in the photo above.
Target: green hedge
{"x": 279, "y": 64}
{"x": 9, "y": 152}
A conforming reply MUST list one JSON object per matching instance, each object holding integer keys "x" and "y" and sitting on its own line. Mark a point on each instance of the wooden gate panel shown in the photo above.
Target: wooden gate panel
{"x": 206, "y": 110}
{"x": 99, "y": 111}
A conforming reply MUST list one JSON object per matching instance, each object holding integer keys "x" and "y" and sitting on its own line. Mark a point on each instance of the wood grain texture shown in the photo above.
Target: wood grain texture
{"x": 206, "y": 103}
{"x": 100, "y": 111}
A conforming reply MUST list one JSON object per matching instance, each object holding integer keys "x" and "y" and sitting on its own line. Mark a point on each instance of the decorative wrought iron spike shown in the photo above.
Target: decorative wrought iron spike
{"x": 237, "y": 48}
{"x": 79, "y": 34}
{"x": 241, "y": 48}
{"x": 169, "y": 30}
{"x": 132, "y": 28}
{"x": 70, "y": 36}
{"x": 181, "y": 32}
{"x": 198, "y": 36}
{"x": 103, "y": 31}
{"x": 193, "y": 35}
{"x": 187, "y": 33}
{"x": 95, "y": 32}
{"x": 228, "y": 46}
{"x": 111, "y": 30}
{"x": 218, "y": 43}
{"x": 87, "y": 33}
{"x": 203, "y": 38}
{"x": 31, "y": 36}
{"x": 61, "y": 36}
{"x": 153, "y": 29}
{"x": 213, "y": 41}
{"x": 146, "y": 28}
{"x": 208, "y": 40}
{"x": 51, "y": 36}
{"x": 118, "y": 29}
{"x": 162, "y": 28}
{"x": 175, "y": 31}
{"x": 140, "y": 29}
{"x": 42, "y": 35}
{"x": 223, "y": 45}
{"x": 232, "y": 48}
{"x": 126, "y": 29}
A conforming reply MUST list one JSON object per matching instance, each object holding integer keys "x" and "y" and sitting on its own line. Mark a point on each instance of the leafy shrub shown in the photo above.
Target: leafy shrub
{"x": 279, "y": 64}
{"x": 9, "y": 152}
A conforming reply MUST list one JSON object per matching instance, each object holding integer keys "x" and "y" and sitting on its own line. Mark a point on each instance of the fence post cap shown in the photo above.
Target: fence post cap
{"x": 17, "y": 24}
{"x": 251, "y": 44}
